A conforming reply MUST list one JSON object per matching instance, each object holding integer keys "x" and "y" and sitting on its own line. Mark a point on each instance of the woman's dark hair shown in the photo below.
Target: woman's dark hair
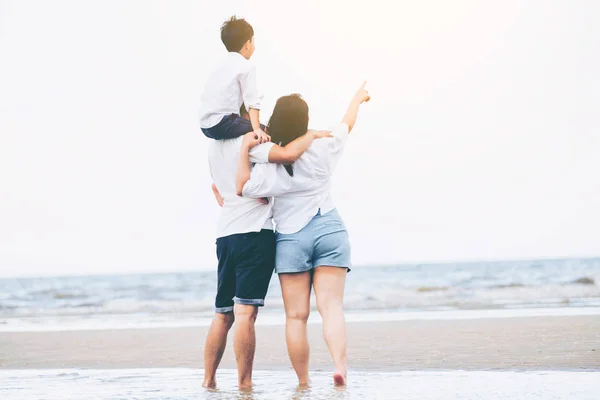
{"x": 235, "y": 33}
{"x": 288, "y": 122}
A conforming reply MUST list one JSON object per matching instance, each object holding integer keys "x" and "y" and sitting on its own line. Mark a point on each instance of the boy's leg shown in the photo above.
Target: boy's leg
{"x": 230, "y": 127}
{"x": 254, "y": 269}
{"x": 216, "y": 339}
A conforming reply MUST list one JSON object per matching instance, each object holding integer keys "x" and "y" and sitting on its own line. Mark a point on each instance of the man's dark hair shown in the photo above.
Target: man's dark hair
{"x": 288, "y": 122}
{"x": 235, "y": 32}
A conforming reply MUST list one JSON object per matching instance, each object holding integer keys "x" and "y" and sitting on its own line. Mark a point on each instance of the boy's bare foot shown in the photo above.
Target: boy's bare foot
{"x": 339, "y": 379}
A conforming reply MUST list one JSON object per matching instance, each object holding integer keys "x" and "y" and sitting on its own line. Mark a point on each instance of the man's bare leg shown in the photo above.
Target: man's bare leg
{"x": 244, "y": 343}
{"x": 216, "y": 340}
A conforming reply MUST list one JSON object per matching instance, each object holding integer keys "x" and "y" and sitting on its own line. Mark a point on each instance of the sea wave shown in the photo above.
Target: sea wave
{"x": 585, "y": 281}
{"x": 562, "y": 283}
{"x": 425, "y": 289}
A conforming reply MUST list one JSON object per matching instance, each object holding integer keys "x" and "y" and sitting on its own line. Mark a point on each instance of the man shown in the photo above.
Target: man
{"x": 245, "y": 252}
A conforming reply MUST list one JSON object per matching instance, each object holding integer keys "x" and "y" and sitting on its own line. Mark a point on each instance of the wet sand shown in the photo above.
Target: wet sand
{"x": 538, "y": 343}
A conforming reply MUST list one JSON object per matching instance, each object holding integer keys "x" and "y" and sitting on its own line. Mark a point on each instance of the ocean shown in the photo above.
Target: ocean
{"x": 417, "y": 291}
{"x": 378, "y": 293}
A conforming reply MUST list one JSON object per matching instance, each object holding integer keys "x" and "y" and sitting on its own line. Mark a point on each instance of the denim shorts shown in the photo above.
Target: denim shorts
{"x": 246, "y": 263}
{"x": 323, "y": 242}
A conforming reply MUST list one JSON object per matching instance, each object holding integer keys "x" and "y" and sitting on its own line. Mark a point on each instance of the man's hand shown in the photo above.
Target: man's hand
{"x": 362, "y": 95}
{"x": 262, "y": 136}
{"x": 218, "y": 196}
{"x": 250, "y": 141}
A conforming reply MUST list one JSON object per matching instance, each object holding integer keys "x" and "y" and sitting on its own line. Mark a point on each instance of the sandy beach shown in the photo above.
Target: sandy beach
{"x": 539, "y": 343}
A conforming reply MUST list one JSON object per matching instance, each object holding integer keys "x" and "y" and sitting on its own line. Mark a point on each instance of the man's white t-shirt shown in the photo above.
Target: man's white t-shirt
{"x": 238, "y": 214}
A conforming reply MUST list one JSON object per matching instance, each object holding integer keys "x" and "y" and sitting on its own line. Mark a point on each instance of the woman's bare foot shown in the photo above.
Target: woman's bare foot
{"x": 245, "y": 386}
{"x": 245, "y": 389}
{"x": 339, "y": 379}
{"x": 209, "y": 384}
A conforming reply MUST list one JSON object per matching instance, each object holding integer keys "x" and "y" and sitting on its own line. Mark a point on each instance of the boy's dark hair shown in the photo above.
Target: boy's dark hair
{"x": 288, "y": 122}
{"x": 235, "y": 32}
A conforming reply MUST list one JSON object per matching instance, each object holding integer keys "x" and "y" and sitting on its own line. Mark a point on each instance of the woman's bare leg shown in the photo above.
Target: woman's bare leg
{"x": 296, "y": 299}
{"x": 329, "y": 285}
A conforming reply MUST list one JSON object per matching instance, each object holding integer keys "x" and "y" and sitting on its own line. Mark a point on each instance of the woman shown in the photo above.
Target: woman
{"x": 312, "y": 243}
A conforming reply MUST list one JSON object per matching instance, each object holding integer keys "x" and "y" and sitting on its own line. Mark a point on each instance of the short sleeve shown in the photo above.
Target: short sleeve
{"x": 250, "y": 92}
{"x": 337, "y": 142}
{"x": 267, "y": 180}
{"x": 260, "y": 154}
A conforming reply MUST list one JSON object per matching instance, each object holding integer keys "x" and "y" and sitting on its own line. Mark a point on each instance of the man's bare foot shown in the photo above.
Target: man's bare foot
{"x": 208, "y": 384}
{"x": 245, "y": 386}
{"x": 303, "y": 385}
{"x": 339, "y": 379}
{"x": 303, "y": 381}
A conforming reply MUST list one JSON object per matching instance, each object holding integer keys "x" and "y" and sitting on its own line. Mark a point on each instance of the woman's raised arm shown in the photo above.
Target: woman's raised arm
{"x": 361, "y": 96}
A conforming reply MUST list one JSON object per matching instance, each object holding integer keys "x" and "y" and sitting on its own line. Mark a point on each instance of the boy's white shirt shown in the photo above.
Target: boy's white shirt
{"x": 230, "y": 85}
{"x": 238, "y": 214}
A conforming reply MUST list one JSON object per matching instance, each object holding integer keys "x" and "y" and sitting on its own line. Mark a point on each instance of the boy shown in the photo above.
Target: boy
{"x": 231, "y": 85}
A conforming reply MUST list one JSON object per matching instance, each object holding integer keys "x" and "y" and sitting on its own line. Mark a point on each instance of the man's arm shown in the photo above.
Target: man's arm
{"x": 218, "y": 196}
{"x": 243, "y": 171}
{"x": 290, "y": 153}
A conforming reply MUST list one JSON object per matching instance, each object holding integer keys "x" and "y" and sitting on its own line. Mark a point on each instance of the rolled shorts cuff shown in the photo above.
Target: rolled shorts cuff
{"x": 249, "y": 302}
{"x": 224, "y": 310}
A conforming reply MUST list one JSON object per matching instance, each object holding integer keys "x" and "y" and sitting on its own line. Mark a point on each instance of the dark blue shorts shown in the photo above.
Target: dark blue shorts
{"x": 246, "y": 264}
{"x": 230, "y": 127}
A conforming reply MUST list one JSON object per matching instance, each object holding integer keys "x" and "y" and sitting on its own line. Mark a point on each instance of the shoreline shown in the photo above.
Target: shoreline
{"x": 566, "y": 343}
{"x": 192, "y": 320}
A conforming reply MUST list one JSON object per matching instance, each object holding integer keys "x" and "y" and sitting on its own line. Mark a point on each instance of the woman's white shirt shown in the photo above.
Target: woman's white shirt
{"x": 298, "y": 198}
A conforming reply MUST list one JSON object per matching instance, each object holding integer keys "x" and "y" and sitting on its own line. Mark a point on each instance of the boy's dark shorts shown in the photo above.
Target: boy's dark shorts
{"x": 246, "y": 264}
{"x": 230, "y": 127}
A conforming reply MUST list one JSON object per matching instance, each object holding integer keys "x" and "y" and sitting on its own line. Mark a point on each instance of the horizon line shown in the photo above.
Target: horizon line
{"x": 360, "y": 266}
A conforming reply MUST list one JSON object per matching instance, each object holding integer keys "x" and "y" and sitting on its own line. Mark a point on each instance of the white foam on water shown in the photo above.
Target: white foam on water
{"x": 181, "y": 383}
{"x": 270, "y": 319}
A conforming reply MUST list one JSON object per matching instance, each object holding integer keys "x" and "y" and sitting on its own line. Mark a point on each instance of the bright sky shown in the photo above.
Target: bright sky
{"x": 481, "y": 140}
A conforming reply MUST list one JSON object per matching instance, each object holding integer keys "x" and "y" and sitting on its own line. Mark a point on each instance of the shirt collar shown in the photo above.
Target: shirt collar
{"x": 234, "y": 54}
